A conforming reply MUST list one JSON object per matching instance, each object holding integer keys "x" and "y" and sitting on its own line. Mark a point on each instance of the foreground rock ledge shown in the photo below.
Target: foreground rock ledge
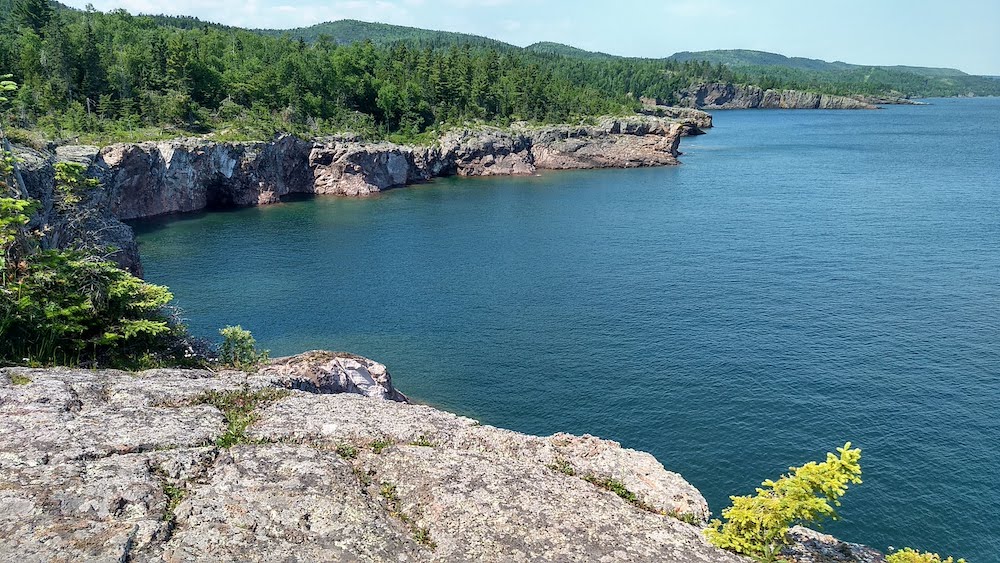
{"x": 117, "y": 466}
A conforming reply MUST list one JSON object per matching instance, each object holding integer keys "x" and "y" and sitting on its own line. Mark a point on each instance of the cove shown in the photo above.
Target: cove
{"x": 803, "y": 279}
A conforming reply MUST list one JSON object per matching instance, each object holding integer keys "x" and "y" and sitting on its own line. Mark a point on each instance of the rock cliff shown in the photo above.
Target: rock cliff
{"x": 308, "y": 459}
{"x": 152, "y": 466}
{"x": 156, "y": 178}
{"x": 96, "y": 223}
{"x": 693, "y": 120}
{"x": 141, "y": 180}
{"x": 732, "y": 96}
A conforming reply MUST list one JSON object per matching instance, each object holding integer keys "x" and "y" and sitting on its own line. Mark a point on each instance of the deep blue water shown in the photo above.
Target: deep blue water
{"x": 803, "y": 279}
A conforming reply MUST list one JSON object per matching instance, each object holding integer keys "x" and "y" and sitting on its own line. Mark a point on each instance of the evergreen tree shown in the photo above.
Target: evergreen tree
{"x": 35, "y": 14}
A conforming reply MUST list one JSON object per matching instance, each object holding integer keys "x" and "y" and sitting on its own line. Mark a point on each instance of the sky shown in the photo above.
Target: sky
{"x": 963, "y": 34}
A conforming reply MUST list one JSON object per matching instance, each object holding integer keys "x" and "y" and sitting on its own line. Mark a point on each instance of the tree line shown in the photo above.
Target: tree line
{"x": 93, "y": 72}
{"x": 115, "y": 76}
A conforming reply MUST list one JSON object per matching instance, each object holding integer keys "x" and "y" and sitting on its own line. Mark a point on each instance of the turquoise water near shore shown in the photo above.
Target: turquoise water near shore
{"x": 803, "y": 279}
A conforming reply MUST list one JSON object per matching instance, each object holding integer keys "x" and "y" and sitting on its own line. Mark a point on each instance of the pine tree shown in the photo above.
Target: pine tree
{"x": 32, "y": 13}
{"x": 758, "y": 526}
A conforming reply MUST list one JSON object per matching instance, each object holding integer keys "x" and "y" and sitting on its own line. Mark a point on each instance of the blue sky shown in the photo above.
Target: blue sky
{"x": 962, "y": 34}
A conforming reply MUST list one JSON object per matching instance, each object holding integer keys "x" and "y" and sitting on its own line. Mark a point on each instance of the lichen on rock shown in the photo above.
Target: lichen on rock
{"x": 117, "y": 466}
{"x": 109, "y": 465}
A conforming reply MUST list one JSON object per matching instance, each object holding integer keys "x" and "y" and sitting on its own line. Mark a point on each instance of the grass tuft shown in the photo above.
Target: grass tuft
{"x": 240, "y": 409}
{"x": 18, "y": 379}
{"x": 381, "y": 444}
{"x": 422, "y": 535}
{"x": 613, "y": 485}
{"x": 562, "y": 466}
{"x": 686, "y": 517}
{"x": 422, "y": 441}
{"x": 619, "y": 488}
{"x": 388, "y": 492}
{"x": 174, "y": 496}
{"x": 347, "y": 451}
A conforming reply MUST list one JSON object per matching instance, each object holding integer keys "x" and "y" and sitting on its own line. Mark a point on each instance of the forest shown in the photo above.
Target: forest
{"x": 99, "y": 77}
{"x": 117, "y": 76}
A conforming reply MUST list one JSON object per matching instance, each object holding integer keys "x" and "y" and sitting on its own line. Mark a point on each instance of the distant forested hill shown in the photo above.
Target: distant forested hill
{"x": 84, "y": 73}
{"x": 773, "y": 70}
{"x": 747, "y": 58}
{"x": 113, "y": 75}
{"x": 548, "y": 48}
{"x": 345, "y": 32}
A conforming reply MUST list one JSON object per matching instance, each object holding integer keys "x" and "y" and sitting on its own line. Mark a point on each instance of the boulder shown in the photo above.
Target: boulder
{"x": 810, "y": 546}
{"x": 319, "y": 371}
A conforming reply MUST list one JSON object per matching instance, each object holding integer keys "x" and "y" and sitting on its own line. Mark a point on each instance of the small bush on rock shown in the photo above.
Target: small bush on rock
{"x": 239, "y": 349}
{"x": 758, "y": 526}
{"x": 347, "y": 451}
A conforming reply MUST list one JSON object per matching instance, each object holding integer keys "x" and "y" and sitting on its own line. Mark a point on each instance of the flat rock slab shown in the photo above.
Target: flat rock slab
{"x": 116, "y": 466}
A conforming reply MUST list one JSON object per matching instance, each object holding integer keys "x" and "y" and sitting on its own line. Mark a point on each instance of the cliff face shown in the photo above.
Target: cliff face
{"x": 156, "y": 178}
{"x": 96, "y": 224}
{"x": 730, "y": 96}
{"x": 693, "y": 120}
{"x": 145, "y": 179}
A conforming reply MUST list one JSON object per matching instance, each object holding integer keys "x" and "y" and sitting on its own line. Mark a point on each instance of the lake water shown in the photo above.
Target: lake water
{"x": 803, "y": 279}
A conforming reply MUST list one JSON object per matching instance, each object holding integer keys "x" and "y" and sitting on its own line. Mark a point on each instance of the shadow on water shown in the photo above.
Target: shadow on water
{"x": 151, "y": 225}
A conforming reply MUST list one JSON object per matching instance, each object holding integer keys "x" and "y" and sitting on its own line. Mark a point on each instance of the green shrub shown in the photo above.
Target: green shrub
{"x": 14, "y": 216}
{"x": 239, "y": 349}
{"x": 71, "y": 179}
{"x": 67, "y": 306}
{"x": 57, "y": 305}
{"x": 379, "y": 445}
{"x": 757, "y": 526}
{"x": 64, "y": 306}
{"x": 907, "y": 555}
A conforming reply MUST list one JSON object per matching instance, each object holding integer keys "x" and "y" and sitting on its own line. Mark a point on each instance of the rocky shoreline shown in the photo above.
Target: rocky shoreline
{"x": 331, "y": 463}
{"x": 143, "y": 180}
{"x": 716, "y": 96}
